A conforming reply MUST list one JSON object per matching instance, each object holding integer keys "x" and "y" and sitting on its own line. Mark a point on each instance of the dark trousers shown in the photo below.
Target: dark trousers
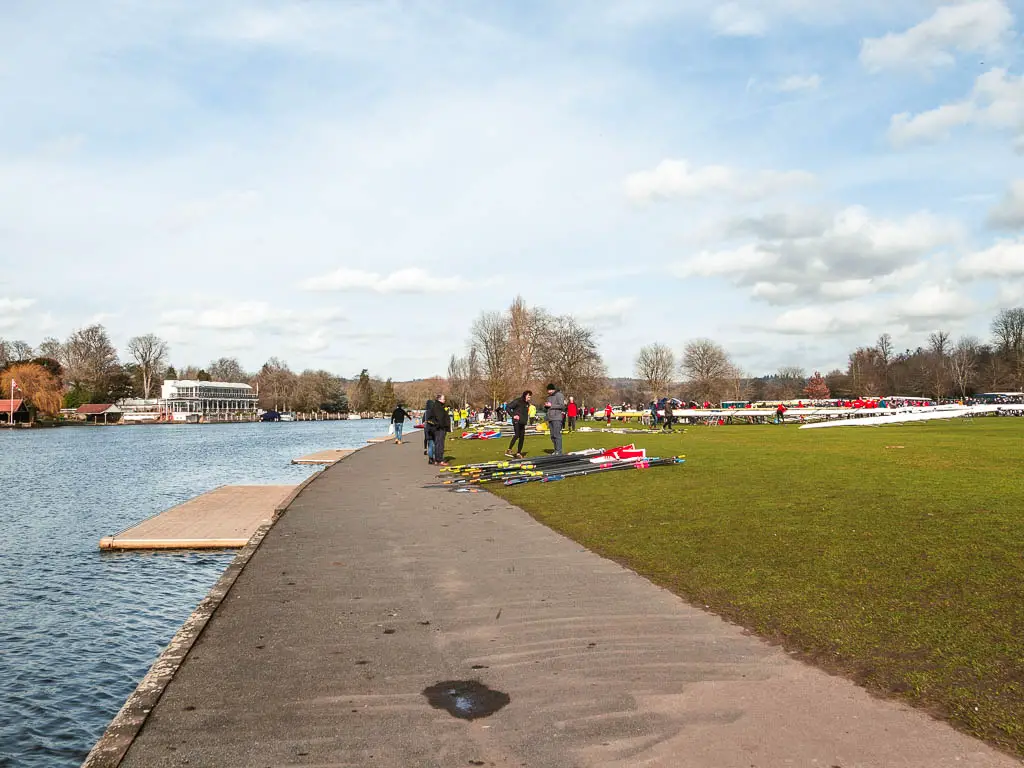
{"x": 572, "y": 423}
{"x": 556, "y": 435}
{"x": 518, "y": 433}
{"x": 439, "y": 436}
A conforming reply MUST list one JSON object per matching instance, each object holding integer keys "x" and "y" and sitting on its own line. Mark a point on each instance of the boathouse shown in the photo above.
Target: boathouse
{"x": 186, "y": 400}
{"x": 100, "y": 413}
{"x": 14, "y": 412}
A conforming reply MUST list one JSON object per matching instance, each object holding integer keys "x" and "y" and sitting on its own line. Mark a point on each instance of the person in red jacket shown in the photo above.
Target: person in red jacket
{"x": 608, "y": 414}
{"x": 780, "y": 414}
{"x": 571, "y": 412}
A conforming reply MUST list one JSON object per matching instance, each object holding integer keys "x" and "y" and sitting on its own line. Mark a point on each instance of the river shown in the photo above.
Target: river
{"x": 80, "y": 628}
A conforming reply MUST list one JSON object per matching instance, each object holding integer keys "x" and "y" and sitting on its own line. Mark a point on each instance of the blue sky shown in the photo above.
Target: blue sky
{"x": 348, "y": 184}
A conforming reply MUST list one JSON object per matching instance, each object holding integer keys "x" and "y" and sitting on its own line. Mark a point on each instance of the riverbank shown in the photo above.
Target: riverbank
{"x": 385, "y": 622}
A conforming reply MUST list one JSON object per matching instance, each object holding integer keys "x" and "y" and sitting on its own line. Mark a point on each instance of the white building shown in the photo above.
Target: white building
{"x": 185, "y": 400}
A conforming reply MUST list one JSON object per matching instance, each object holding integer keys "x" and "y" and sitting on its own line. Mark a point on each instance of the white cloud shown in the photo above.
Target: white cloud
{"x": 1009, "y": 214}
{"x": 607, "y": 314}
{"x": 822, "y": 319}
{"x": 12, "y": 312}
{"x": 801, "y": 256}
{"x": 1004, "y": 259}
{"x": 923, "y": 307}
{"x": 678, "y": 179}
{"x": 795, "y": 83}
{"x": 996, "y": 101}
{"x": 10, "y": 306}
{"x": 413, "y": 280}
{"x": 933, "y": 302}
{"x": 718, "y": 263}
{"x": 735, "y": 20}
{"x": 235, "y": 316}
{"x": 977, "y": 26}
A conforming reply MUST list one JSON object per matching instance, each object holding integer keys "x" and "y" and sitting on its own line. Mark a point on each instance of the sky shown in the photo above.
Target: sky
{"x": 347, "y": 184}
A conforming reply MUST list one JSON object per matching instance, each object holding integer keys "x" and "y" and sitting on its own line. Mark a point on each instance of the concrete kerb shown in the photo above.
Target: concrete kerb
{"x": 113, "y": 745}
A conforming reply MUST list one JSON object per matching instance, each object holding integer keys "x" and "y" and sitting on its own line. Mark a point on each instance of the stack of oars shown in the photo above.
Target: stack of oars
{"x": 548, "y": 468}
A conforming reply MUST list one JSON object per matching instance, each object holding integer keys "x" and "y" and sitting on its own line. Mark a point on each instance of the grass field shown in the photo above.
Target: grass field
{"x": 894, "y": 555}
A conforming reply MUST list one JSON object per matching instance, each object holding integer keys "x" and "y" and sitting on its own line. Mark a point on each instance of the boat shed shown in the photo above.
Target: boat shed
{"x": 14, "y": 412}
{"x": 100, "y": 413}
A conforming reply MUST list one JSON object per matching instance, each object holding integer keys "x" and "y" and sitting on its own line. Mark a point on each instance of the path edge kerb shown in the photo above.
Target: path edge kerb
{"x": 113, "y": 745}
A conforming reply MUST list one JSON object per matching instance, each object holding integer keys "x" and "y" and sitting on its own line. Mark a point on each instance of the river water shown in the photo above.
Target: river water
{"x": 80, "y": 628}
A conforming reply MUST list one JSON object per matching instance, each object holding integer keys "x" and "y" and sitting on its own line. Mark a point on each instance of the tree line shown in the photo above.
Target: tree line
{"x": 941, "y": 368}
{"x": 520, "y": 348}
{"x": 524, "y": 347}
{"x": 86, "y": 368}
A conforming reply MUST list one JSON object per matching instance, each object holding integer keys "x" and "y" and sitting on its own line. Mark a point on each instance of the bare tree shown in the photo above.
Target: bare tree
{"x": 654, "y": 366}
{"x": 150, "y": 353}
{"x": 13, "y": 352}
{"x": 458, "y": 377}
{"x": 1008, "y": 330}
{"x": 228, "y": 369}
{"x": 963, "y": 363}
{"x": 884, "y": 348}
{"x": 526, "y": 329}
{"x": 867, "y": 372}
{"x": 791, "y": 382}
{"x": 736, "y": 385}
{"x": 21, "y": 350}
{"x": 936, "y": 362}
{"x": 277, "y": 385}
{"x": 89, "y": 358}
{"x": 568, "y": 356}
{"x": 706, "y": 367}
{"x": 489, "y": 338}
{"x": 51, "y": 348}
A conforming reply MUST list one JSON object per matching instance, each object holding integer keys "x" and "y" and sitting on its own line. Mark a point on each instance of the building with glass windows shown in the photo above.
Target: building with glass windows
{"x": 184, "y": 400}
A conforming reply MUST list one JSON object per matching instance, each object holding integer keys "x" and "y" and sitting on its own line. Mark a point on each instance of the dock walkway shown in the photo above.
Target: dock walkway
{"x": 373, "y": 590}
{"x": 325, "y": 458}
{"x": 225, "y": 517}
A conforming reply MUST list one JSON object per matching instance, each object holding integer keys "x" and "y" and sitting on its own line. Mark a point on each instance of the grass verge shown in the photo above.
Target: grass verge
{"x": 893, "y": 555}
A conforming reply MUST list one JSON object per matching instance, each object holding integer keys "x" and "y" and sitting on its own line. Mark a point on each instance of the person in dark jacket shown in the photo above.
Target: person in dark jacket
{"x": 398, "y": 417}
{"x": 555, "y": 416}
{"x": 438, "y": 420}
{"x": 428, "y": 433}
{"x": 519, "y": 409}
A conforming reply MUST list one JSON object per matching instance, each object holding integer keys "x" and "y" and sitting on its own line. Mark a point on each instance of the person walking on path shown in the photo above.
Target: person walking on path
{"x": 437, "y": 420}
{"x": 398, "y": 417}
{"x": 555, "y": 416}
{"x": 519, "y": 410}
{"x": 571, "y": 412}
{"x": 428, "y": 433}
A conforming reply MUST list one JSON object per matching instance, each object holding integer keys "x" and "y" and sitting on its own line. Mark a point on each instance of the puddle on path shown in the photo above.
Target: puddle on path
{"x": 465, "y": 699}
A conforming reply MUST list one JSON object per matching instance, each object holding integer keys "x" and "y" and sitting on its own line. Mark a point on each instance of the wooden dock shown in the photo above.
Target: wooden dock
{"x": 325, "y": 458}
{"x": 222, "y": 518}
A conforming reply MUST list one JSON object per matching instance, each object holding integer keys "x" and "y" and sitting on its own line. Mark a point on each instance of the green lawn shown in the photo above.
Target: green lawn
{"x": 894, "y": 555}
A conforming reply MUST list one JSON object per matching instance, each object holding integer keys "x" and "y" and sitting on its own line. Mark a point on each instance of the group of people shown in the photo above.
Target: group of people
{"x": 556, "y": 411}
{"x": 560, "y": 414}
{"x": 438, "y": 421}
